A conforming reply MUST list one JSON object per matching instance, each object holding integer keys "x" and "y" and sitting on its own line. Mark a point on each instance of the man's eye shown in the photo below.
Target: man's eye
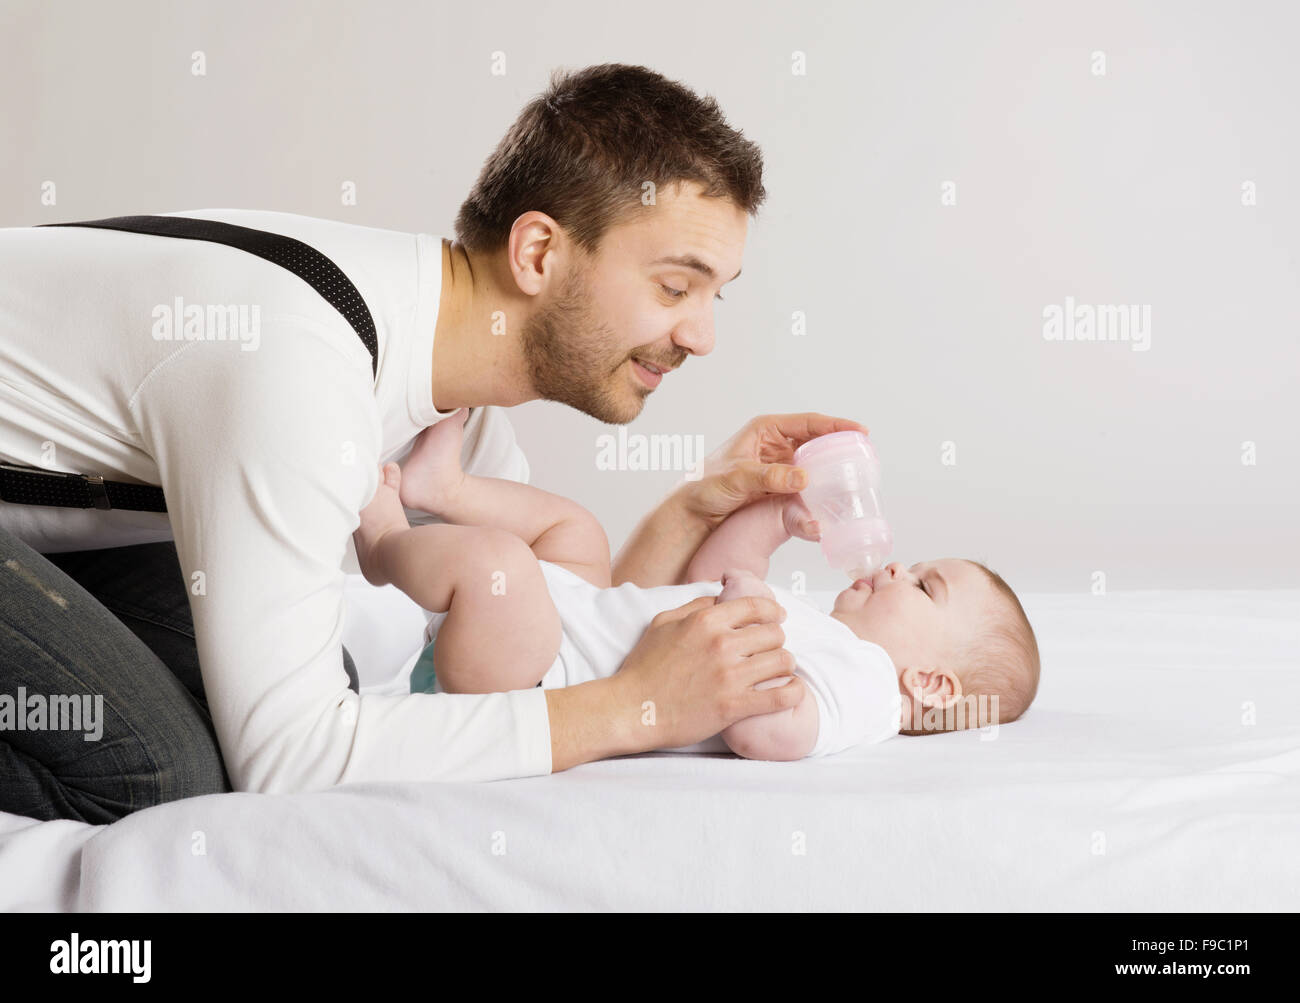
{"x": 920, "y": 584}
{"x": 673, "y": 293}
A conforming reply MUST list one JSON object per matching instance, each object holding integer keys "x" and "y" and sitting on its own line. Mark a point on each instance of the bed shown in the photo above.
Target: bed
{"x": 1159, "y": 769}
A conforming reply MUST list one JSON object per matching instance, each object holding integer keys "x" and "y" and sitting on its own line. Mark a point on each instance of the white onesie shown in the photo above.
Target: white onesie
{"x": 853, "y": 681}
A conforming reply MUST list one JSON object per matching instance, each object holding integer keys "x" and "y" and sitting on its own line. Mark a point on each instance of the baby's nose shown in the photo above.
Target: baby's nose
{"x": 886, "y": 574}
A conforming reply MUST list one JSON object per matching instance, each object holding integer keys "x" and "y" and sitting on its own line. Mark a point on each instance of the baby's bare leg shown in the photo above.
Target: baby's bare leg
{"x": 558, "y": 529}
{"x": 502, "y": 631}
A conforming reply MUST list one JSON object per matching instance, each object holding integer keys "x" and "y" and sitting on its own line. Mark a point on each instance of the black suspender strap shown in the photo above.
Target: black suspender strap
{"x": 36, "y": 486}
{"x": 303, "y": 260}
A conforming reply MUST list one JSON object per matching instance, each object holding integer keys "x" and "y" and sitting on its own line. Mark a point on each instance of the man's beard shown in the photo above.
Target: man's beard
{"x": 574, "y": 361}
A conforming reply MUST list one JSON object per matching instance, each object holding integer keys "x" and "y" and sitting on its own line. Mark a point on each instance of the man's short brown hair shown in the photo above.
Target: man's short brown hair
{"x": 582, "y": 151}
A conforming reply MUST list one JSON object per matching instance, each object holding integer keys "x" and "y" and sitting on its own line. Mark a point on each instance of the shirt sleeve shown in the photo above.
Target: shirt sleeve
{"x": 856, "y": 689}
{"x": 266, "y": 458}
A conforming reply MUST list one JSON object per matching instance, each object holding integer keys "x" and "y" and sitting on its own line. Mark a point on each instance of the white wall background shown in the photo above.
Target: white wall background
{"x": 924, "y": 321}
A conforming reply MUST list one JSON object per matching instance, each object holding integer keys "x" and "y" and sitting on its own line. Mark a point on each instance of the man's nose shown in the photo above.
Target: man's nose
{"x": 695, "y": 334}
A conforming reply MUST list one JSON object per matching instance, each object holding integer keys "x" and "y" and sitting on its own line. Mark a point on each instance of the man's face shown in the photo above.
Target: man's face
{"x": 644, "y": 301}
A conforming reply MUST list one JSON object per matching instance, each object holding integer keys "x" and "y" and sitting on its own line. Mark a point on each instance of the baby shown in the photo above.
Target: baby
{"x": 522, "y": 597}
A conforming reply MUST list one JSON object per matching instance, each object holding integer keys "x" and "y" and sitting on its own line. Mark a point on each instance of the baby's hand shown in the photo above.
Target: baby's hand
{"x": 738, "y": 583}
{"x": 432, "y": 475}
{"x": 798, "y": 521}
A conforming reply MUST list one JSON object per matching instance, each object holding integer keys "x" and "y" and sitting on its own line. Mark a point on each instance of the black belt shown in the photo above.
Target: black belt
{"x": 35, "y": 486}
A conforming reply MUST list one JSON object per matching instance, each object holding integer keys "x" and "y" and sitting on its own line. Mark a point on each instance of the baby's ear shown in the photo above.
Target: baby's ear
{"x": 932, "y": 686}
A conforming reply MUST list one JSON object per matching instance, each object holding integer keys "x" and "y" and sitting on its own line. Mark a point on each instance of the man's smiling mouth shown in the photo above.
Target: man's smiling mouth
{"x": 649, "y": 373}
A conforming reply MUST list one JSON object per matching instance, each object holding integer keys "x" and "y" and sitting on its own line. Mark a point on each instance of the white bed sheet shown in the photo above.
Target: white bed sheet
{"x": 1158, "y": 769}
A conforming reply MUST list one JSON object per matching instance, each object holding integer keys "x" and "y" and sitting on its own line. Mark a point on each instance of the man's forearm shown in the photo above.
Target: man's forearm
{"x": 591, "y": 721}
{"x": 661, "y": 546}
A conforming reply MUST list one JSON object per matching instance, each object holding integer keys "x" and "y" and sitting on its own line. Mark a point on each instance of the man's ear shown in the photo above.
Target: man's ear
{"x": 534, "y": 251}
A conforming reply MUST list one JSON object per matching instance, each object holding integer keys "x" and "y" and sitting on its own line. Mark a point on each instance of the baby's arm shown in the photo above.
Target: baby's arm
{"x": 784, "y": 734}
{"x": 738, "y": 552}
{"x": 558, "y": 530}
{"x": 781, "y": 736}
{"x": 749, "y": 536}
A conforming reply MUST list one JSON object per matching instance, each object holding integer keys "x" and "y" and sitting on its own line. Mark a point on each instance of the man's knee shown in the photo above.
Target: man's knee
{"x": 186, "y": 763}
{"x": 121, "y": 778}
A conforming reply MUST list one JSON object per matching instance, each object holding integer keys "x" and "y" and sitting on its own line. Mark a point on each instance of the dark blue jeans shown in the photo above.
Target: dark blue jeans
{"x": 108, "y": 629}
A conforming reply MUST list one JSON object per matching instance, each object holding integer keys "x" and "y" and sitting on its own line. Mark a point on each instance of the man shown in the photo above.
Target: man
{"x": 588, "y": 257}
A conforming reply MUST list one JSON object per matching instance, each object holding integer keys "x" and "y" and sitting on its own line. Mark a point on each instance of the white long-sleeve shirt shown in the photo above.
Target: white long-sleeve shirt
{"x": 267, "y": 443}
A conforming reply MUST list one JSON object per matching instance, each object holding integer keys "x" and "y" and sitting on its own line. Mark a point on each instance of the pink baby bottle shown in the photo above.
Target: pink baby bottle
{"x": 843, "y": 495}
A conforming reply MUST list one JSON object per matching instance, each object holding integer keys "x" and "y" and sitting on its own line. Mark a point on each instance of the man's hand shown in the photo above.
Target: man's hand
{"x": 757, "y": 461}
{"x": 754, "y": 463}
{"x": 694, "y": 671}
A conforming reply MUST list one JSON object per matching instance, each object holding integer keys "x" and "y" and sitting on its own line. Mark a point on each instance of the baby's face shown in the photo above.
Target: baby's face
{"x": 920, "y": 615}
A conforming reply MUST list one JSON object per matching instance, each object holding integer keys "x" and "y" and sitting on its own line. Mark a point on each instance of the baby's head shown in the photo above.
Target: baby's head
{"x": 954, "y": 630}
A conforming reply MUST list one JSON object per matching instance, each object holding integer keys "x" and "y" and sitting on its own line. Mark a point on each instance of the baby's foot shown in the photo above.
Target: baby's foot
{"x": 737, "y": 583}
{"x": 379, "y": 518}
{"x": 432, "y": 475}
